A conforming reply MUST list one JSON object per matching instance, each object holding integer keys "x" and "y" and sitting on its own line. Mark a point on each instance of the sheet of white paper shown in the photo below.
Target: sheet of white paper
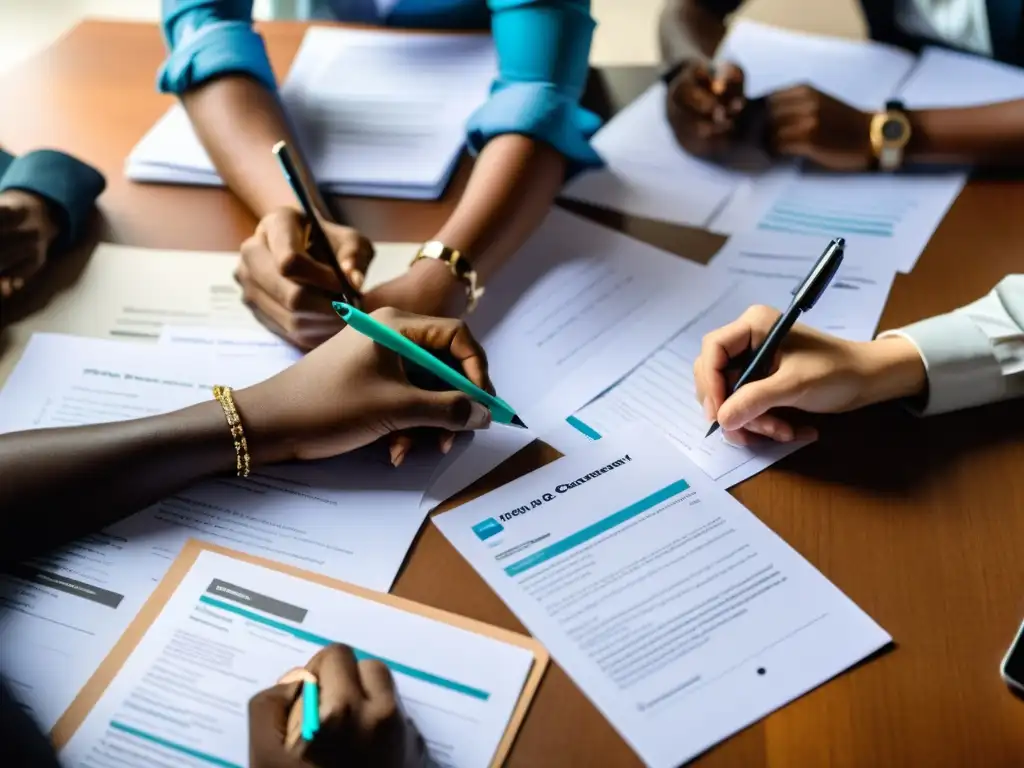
{"x": 773, "y": 264}
{"x": 675, "y": 610}
{"x": 661, "y": 394}
{"x": 648, "y": 174}
{"x": 131, "y": 293}
{"x": 887, "y": 219}
{"x": 773, "y": 58}
{"x": 579, "y": 307}
{"x": 944, "y": 78}
{"x": 353, "y": 518}
{"x": 233, "y": 628}
{"x": 395, "y": 130}
{"x": 231, "y": 343}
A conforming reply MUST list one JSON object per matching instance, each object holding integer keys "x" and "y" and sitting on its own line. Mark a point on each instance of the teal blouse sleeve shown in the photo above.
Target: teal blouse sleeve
{"x": 543, "y": 58}
{"x": 209, "y": 38}
{"x": 68, "y": 185}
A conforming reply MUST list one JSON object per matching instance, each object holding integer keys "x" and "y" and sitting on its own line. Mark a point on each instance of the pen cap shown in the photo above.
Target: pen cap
{"x": 814, "y": 285}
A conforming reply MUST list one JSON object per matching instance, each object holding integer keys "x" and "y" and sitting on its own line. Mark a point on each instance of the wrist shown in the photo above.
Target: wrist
{"x": 436, "y": 279}
{"x": 892, "y": 369}
{"x": 268, "y": 441}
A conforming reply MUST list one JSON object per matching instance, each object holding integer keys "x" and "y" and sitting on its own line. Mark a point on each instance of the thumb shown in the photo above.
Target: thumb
{"x": 755, "y": 399}
{"x": 451, "y": 410}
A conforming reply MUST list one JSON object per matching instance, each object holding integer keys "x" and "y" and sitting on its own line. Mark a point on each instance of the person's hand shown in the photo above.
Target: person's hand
{"x": 807, "y": 123}
{"x": 361, "y": 723}
{"x": 27, "y": 230}
{"x": 813, "y": 372}
{"x": 703, "y": 107}
{"x": 350, "y": 391}
{"x": 286, "y": 288}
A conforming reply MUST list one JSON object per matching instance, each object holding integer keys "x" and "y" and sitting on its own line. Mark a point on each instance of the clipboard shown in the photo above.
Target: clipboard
{"x": 108, "y": 670}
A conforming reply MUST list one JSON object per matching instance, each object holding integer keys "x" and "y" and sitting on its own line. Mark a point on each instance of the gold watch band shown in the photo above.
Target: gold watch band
{"x": 459, "y": 265}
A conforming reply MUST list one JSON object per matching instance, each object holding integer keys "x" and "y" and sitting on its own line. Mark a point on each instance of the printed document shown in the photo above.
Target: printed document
{"x": 648, "y": 174}
{"x": 395, "y": 130}
{"x": 579, "y": 307}
{"x": 661, "y": 394}
{"x": 231, "y": 628}
{"x": 675, "y": 610}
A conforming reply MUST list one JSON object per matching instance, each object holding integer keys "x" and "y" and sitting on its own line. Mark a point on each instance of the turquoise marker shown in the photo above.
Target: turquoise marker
{"x": 310, "y": 709}
{"x": 387, "y": 337}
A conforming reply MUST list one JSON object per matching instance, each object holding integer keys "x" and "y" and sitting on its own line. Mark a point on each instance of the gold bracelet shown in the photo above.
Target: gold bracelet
{"x": 227, "y": 403}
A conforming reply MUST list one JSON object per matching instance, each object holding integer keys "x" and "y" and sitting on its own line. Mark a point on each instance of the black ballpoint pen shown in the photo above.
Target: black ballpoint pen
{"x": 319, "y": 246}
{"x": 804, "y": 297}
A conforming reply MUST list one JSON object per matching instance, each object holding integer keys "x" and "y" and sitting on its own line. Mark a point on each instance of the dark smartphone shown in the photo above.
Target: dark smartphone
{"x": 1013, "y": 663}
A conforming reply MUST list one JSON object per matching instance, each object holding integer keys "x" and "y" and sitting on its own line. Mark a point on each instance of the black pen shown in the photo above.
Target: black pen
{"x": 804, "y": 297}
{"x": 317, "y": 243}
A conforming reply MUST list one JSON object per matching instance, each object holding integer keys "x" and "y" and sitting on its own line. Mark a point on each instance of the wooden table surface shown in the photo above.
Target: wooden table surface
{"x": 921, "y": 522}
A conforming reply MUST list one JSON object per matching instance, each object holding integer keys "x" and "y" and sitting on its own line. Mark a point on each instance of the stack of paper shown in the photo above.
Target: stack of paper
{"x": 377, "y": 113}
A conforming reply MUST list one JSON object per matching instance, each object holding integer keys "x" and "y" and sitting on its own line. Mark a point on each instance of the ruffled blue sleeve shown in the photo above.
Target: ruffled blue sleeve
{"x": 210, "y": 38}
{"x": 543, "y": 57}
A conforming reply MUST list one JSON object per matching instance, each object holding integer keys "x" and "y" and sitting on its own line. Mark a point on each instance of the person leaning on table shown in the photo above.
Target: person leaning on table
{"x": 344, "y": 395}
{"x": 711, "y": 118}
{"x": 46, "y": 198}
{"x": 968, "y": 357}
{"x": 529, "y": 134}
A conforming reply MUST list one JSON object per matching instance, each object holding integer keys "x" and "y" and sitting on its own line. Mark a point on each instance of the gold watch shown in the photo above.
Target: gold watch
{"x": 890, "y": 134}
{"x": 459, "y": 266}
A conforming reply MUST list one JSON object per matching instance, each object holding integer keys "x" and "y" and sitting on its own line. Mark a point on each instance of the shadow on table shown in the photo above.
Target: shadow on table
{"x": 61, "y": 273}
{"x": 888, "y": 449}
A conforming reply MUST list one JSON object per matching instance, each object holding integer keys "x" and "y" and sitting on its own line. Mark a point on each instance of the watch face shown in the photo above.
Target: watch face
{"x": 892, "y": 130}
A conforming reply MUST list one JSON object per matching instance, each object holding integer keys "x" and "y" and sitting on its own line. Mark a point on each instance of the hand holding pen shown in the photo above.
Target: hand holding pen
{"x": 340, "y": 709}
{"x": 781, "y": 360}
{"x": 705, "y": 101}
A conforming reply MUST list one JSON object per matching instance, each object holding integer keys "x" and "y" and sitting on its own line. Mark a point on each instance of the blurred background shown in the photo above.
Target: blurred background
{"x": 625, "y": 32}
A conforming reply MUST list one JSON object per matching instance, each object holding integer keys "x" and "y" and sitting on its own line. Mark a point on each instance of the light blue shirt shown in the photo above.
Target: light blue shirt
{"x": 543, "y": 51}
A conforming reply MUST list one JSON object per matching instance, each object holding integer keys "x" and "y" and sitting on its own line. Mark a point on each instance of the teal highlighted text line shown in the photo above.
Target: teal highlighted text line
{"x": 309, "y": 637}
{"x": 583, "y": 428}
{"x": 596, "y": 529}
{"x": 173, "y": 746}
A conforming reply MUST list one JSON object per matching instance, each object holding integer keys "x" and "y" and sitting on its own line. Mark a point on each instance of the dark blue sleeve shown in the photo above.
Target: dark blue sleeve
{"x": 68, "y": 185}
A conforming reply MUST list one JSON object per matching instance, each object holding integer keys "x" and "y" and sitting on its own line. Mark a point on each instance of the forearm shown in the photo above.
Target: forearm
{"x": 686, "y": 30}
{"x": 988, "y": 135}
{"x": 239, "y": 121}
{"x": 61, "y": 483}
{"x": 513, "y": 185}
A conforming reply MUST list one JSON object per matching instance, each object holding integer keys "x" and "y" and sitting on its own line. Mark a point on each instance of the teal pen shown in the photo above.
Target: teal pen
{"x": 310, "y": 709}
{"x": 501, "y": 411}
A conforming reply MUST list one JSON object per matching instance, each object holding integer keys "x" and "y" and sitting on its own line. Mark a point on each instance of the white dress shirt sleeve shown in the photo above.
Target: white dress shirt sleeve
{"x": 975, "y": 354}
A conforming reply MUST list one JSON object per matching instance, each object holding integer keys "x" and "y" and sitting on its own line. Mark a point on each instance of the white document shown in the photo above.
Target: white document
{"x": 648, "y": 173}
{"x": 772, "y": 265}
{"x": 377, "y": 113}
{"x": 675, "y": 610}
{"x": 887, "y": 219}
{"x": 353, "y": 518}
{"x": 773, "y": 58}
{"x": 944, "y": 78}
{"x": 661, "y": 394}
{"x": 577, "y": 308}
{"x": 231, "y": 343}
{"x": 232, "y": 629}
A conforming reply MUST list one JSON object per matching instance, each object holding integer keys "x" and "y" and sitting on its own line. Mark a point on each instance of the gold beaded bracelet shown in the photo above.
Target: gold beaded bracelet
{"x": 227, "y": 403}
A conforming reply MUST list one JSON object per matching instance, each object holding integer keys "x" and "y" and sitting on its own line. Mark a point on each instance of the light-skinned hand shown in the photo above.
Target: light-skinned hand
{"x": 27, "y": 230}
{"x": 361, "y": 722}
{"x": 813, "y": 372}
{"x": 287, "y": 289}
{"x": 350, "y": 392}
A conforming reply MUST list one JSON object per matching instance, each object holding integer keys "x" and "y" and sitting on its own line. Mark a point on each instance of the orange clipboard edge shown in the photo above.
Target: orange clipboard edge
{"x": 94, "y": 689}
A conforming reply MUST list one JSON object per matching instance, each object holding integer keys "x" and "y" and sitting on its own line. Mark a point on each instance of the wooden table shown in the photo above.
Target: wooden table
{"x": 921, "y": 522}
